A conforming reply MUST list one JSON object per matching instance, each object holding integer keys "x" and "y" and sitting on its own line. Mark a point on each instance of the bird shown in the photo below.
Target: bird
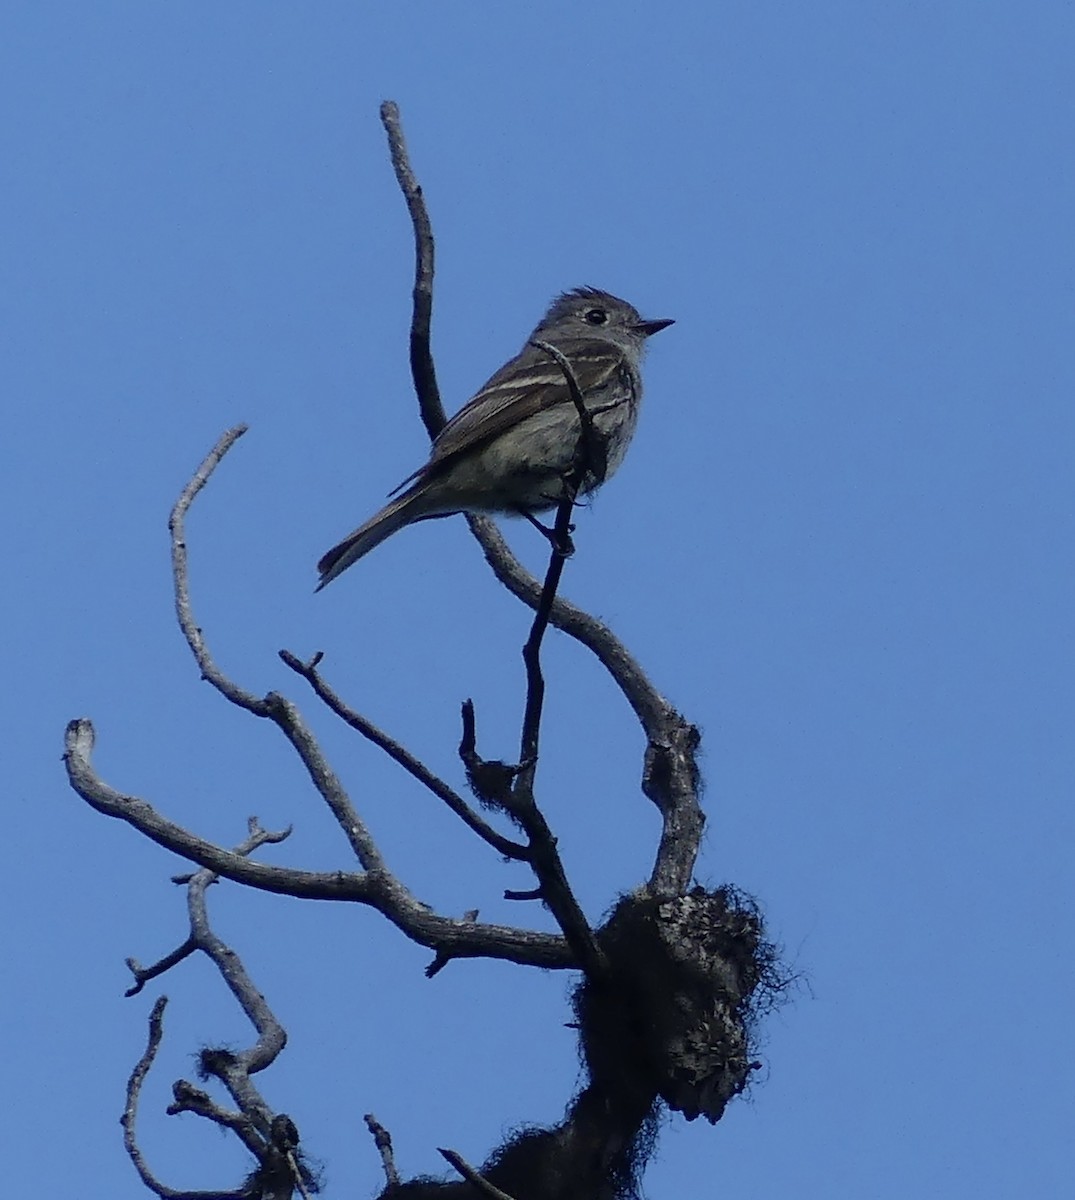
{"x": 509, "y": 448}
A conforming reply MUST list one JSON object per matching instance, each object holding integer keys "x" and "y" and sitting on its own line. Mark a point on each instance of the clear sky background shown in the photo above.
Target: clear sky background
{"x": 842, "y": 543}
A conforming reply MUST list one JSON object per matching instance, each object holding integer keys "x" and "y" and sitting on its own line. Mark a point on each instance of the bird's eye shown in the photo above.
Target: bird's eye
{"x": 595, "y": 316}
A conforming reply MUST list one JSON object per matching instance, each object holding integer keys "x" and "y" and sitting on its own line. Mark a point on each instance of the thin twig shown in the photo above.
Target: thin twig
{"x": 490, "y": 779}
{"x": 535, "y": 682}
{"x": 134, "y": 1094}
{"x": 400, "y": 754}
{"x": 544, "y": 856}
{"x": 472, "y": 1176}
{"x": 254, "y": 1121}
{"x": 422, "y": 369}
{"x": 382, "y": 1139}
{"x": 272, "y": 707}
{"x": 296, "y": 1174}
{"x": 283, "y": 1167}
{"x": 585, "y": 462}
{"x": 186, "y": 1098}
{"x": 288, "y": 720}
{"x": 180, "y": 577}
{"x": 143, "y": 975}
{"x": 554, "y": 888}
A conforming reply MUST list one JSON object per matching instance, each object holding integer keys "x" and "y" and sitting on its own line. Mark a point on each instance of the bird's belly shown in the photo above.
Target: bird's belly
{"x": 525, "y": 466}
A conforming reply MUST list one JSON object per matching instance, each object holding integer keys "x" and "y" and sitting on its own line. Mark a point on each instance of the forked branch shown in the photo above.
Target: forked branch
{"x": 448, "y": 936}
{"x": 271, "y": 1138}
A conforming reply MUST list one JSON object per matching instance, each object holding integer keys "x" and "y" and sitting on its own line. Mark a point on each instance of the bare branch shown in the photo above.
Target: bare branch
{"x": 535, "y": 682}
{"x": 134, "y": 1094}
{"x": 422, "y": 369}
{"x": 671, "y": 779}
{"x": 271, "y": 1138}
{"x": 284, "y": 1170}
{"x": 556, "y": 892}
{"x": 188, "y": 1098}
{"x": 671, "y": 774}
{"x": 440, "y": 961}
{"x": 380, "y": 889}
{"x": 130, "y": 1114}
{"x": 143, "y": 975}
{"x": 286, "y": 717}
{"x": 586, "y": 458}
{"x": 382, "y": 1139}
{"x": 271, "y": 1035}
{"x": 376, "y": 886}
{"x": 272, "y": 707}
{"x": 651, "y": 708}
{"x": 401, "y": 755}
{"x": 180, "y": 575}
{"x": 472, "y": 1176}
{"x": 542, "y": 854}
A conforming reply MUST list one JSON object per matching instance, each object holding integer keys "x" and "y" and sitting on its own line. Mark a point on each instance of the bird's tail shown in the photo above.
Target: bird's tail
{"x": 413, "y": 505}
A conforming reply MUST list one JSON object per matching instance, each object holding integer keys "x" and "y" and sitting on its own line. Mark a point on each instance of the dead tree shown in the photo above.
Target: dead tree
{"x": 669, "y": 987}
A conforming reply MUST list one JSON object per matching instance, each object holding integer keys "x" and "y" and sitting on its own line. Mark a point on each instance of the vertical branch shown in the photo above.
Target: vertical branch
{"x": 422, "y": 369}
{"x": 535, "y": 682}
{"x": 382, "y": 1139}
{"x": 545, "y": 859}
{"x": 588, "y": 456}
{"x": 134, "y": 1094}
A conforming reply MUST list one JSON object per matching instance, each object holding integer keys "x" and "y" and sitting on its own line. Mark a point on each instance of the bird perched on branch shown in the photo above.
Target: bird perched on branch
{"x": 510, "y": 447}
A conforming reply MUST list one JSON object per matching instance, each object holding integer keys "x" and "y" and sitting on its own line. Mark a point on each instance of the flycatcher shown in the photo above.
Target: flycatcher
{"x": 509, "y": 448}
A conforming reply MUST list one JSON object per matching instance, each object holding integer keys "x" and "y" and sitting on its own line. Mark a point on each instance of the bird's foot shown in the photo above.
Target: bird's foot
{"x": 562, "y": 545}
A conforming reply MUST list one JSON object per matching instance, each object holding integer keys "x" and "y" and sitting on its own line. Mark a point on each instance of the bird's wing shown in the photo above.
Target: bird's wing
{"x": 528, "y": 384}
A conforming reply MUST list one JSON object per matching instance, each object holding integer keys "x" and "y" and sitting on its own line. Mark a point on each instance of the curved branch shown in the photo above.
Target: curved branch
{"x": 448, "y": 937}
{"x": 651, "y": 708}
{"x": 181, "y": 575}
{"x": 422, "y": 369}
{"x": 271, "y": 1035}
{"x": 130, "y": 1116}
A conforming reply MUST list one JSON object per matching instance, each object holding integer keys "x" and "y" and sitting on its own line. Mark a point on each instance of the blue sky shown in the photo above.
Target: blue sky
{"x": 841, "y": 543}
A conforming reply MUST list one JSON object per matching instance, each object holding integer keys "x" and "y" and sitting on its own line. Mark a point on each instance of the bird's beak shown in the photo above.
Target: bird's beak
{"x": 648, "y": 328}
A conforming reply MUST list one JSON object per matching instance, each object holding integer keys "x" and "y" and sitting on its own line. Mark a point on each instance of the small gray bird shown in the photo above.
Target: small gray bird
{"x": 508, "y": 449}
